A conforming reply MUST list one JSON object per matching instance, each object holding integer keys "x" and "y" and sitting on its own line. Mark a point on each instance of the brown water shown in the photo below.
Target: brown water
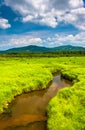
{"x": 28, "y": 111}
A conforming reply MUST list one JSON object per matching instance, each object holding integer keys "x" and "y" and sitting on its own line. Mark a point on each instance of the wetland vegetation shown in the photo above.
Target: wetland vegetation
{"x": 66, "y": 111}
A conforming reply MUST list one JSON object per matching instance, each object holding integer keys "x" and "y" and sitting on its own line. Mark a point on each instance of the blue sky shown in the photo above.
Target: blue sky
{"x": 42, "y": 22}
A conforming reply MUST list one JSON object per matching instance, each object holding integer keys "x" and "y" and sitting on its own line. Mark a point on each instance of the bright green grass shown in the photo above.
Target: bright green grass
{"x": 66, "y": 111}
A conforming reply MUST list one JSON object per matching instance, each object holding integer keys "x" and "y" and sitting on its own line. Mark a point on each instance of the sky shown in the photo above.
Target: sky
{"x": 48, "y": 23}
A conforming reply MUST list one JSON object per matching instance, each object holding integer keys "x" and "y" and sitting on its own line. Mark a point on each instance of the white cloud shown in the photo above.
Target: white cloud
{"x": 10, "y": 41}
{"x": 76, "y": 40}
{"x": 4, "y": 23}
{"x": 50, "y": 12}
{"x": 27, "y": 18}
{"x": 65, "y": 39}
{"x": 76, "y": 17}
{"x": 76, "y": 3}
{"x": 49, "y": 21}
{"x": 25, "y": 40}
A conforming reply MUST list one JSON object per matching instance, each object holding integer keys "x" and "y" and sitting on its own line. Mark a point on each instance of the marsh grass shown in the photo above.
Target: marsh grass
{"x": 66, "y": 111}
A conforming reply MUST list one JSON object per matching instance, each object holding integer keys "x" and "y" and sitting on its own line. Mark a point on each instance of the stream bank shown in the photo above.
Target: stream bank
{"x": 28, "y": 111}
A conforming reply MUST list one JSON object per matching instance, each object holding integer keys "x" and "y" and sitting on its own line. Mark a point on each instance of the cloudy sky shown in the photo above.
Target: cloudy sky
{"x": 42, "y": 22}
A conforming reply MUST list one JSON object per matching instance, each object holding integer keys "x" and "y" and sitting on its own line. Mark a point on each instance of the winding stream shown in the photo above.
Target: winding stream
{"x": 28, "y": 111}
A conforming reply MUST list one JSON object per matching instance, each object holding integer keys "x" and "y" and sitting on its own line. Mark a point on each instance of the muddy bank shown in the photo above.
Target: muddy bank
{"x": 28, "y": 111}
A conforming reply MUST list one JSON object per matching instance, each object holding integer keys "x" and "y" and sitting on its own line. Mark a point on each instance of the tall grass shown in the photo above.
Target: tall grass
{"x": 66, "y": 111}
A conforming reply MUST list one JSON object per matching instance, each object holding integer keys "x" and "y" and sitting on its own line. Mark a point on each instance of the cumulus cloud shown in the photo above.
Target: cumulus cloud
{"x": 10, "y": 41}
{"x": 76, "y": 40}
{"x": 50, "y": 12}
{"x": 4, "y": 23}
{"x": 76, "y": 17}
{"x": 25, "y": 40}
{"x": 50, "y": 41}
{"x": 76, "y": 3}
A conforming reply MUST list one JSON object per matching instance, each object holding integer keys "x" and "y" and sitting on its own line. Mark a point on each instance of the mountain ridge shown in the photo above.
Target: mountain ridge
{"x": 38, "y": 49}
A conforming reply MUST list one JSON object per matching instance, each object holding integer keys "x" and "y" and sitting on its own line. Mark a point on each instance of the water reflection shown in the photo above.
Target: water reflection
{"x": 31, "y": 108}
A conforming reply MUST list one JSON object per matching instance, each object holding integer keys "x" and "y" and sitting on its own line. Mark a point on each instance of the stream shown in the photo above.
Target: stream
{"x": 28, "y": 111}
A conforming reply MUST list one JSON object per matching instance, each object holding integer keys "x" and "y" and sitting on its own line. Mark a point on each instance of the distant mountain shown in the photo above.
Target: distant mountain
{"x": 68, "y": 48}
{"x": 38, "y": 49}
{"x": 31, "y": 48}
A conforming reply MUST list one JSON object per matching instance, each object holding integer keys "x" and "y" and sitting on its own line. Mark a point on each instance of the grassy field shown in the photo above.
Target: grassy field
{"x": 66, "y": 111}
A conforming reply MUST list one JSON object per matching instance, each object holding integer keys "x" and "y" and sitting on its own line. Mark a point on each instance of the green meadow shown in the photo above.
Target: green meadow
{"x": 66, "y": 111}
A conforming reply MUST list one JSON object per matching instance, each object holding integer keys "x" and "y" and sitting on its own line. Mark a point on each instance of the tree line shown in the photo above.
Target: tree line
{"x": 44, "y": 54}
